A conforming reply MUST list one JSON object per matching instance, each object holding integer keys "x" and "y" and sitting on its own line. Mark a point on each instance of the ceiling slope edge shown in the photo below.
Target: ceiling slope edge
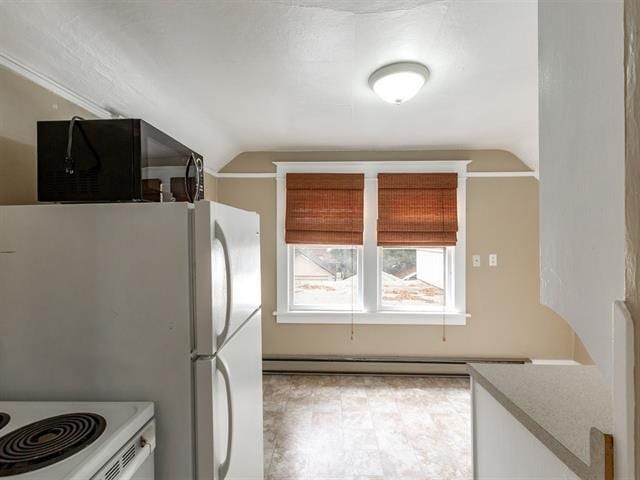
{"x": 50, "y": 84}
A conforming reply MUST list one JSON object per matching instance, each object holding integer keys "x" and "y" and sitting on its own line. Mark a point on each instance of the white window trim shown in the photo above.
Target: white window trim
{"x": 370, "y": 314}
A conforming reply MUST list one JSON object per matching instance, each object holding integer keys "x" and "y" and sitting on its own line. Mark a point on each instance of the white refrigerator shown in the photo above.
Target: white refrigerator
{"x": 141, "y": 302}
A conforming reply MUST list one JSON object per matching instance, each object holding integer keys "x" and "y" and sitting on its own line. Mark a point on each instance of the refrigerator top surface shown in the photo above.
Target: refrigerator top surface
{"x": 65, "y": 440}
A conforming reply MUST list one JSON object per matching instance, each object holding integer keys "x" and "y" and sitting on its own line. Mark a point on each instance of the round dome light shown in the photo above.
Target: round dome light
{"x": 398, "y": 82}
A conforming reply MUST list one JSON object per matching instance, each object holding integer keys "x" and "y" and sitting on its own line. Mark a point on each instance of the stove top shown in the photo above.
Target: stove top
{"x": 65, "y": 440}
{"x": 4, "y": 419}
{"x": 48, "y": 441}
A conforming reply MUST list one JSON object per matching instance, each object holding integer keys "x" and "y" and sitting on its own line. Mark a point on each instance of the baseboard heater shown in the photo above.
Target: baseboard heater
{"x": 375, "y": 365}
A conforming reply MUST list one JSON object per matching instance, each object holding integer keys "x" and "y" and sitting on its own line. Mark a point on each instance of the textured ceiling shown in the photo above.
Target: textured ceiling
{"x": 230, "y": 76}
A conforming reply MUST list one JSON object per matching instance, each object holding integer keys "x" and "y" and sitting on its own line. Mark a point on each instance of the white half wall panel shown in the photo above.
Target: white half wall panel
{"x": 582, "y": 166}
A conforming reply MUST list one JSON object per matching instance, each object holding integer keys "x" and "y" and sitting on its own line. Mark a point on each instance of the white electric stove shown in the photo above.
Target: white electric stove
{"x": 76, "y": 441}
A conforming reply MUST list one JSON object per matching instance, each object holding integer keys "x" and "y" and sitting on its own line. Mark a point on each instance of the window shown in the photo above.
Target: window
{"x": 325, "y": 277}
{"x": 413, "y": 279}
{"x": 412, "y": 273}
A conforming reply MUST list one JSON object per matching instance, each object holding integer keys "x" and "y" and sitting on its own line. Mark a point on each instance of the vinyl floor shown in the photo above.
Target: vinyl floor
{"x": 366, "y": 428}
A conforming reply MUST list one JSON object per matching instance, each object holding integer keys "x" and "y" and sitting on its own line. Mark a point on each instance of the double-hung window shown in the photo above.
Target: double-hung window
{"x": 324, "y": 237}
{"x": 371, "y": 242}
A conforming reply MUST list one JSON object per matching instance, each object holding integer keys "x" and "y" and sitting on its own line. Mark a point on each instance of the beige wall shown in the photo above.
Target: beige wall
{"x": 210, "y": 187}
{"x": 580, "y": 352}
{"x": 502, "y": 217}
{"x": 22, "y": 104}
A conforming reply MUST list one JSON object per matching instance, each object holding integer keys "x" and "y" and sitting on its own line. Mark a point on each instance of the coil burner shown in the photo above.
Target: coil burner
{"x": 47, "y": 441}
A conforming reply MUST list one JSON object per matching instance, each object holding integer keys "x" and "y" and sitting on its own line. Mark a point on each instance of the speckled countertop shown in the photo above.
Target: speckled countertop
{"x": 559, "y": 404}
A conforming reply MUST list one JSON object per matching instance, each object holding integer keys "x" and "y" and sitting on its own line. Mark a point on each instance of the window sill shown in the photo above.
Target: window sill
{"x": 377, "y": 318}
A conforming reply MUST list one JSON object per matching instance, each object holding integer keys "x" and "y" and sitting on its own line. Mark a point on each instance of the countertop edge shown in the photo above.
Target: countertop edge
{"x": 598, "y": 442}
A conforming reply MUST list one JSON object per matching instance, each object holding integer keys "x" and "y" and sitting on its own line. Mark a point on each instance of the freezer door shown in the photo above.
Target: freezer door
{"x": 227, "y": 272}
{"x": 229, "y": 408}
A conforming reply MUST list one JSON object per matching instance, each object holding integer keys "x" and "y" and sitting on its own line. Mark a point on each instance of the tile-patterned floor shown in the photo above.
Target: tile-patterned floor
{"x": 366, "y": 428}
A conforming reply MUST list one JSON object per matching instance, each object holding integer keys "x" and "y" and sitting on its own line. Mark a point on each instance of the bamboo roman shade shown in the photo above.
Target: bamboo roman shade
{"x": 324, "y": 209}
{"x": 417, "y": 209}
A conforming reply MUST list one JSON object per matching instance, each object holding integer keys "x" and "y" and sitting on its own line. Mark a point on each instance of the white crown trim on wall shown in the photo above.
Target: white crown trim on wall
{"x": 246, "y": 175}
{"x": 53, "y": 86}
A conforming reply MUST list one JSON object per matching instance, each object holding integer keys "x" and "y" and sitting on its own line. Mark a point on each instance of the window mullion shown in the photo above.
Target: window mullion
{"x": 369, "y": 250}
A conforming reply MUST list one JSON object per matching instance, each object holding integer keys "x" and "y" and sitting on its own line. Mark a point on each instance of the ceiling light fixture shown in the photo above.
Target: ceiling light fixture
{"x": 398, "y": 82}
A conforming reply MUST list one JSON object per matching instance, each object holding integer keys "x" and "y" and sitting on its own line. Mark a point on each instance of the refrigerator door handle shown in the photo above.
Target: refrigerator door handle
{"x": 219, "y": 235}
{"x": 223, "y": 469}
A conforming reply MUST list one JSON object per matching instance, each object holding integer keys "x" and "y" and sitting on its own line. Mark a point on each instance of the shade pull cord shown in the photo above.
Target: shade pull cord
{"x": 353, "y": 300}
{"x": 353, "y": 294}
{"x": 444, "y": 285}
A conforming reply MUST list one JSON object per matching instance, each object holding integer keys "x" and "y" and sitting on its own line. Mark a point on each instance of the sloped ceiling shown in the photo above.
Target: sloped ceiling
{"x": 231, "y": 76}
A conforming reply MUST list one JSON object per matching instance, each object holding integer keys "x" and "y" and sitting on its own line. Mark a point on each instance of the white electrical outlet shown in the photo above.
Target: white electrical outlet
{"x": 476, "y": 260}
{"x": 493, "y": 259}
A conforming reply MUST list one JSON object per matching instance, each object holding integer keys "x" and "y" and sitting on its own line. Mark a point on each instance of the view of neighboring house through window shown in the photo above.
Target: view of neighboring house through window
{"x": 412, "y": 278}
{"x": 325, "y": 277}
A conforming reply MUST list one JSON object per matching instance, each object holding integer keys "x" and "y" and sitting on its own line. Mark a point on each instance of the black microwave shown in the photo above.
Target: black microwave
{"x": 115, "y": 160}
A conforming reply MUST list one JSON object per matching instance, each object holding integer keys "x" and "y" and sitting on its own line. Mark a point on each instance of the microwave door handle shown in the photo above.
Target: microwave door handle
{"x": 199, "y": 175}
{"x": 224, "y": 466}
{"x": 219, "y": 235}
{"x": 190, "y": 161}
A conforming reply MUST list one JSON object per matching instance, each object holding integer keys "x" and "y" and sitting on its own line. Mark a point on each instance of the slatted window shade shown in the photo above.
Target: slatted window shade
{"x": 416, "y": 210}
{"x": 324, "y": 209}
